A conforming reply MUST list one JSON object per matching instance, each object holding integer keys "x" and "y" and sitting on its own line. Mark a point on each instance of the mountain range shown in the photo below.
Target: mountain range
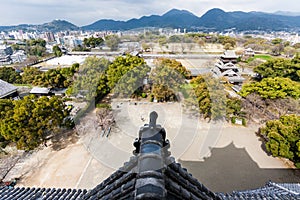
{"x": 214, "y": 19}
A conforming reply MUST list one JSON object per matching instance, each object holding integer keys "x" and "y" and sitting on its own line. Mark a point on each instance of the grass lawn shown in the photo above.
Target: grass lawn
{"x": 263, "y": 56}
{"x": 27, "y": 85}
{"x": 260, "y": 56}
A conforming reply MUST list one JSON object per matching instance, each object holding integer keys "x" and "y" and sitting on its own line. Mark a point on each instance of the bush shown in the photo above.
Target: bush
{"x": 233, "y": 120}
{"x": 283, "y": 138}
{"x": 244, "y": 122}
{"x": 151, "y": 98}
{"x": 67, "y": 99}
{"x": 144, "y": 95}
{"x": 103, "y": 105}
{"x": 297, "y": 165}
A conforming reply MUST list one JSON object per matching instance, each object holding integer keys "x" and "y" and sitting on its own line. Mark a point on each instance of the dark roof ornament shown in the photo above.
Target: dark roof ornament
{"x": 153, "y": 118}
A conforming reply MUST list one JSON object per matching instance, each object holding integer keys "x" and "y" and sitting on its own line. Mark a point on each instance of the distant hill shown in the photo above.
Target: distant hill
{"x": 214, "y": 19}
{"x": 58, "y": 25}
{"x": 287, "y": 13}
{"x": 54, "y": 26}
{"x": 172, "y": 19}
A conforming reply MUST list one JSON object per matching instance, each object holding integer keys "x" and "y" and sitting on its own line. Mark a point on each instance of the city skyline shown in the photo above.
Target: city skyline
{"x": 84, "y": 12}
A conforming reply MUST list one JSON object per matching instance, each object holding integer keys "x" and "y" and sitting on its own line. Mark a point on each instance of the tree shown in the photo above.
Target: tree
{"x": 32, "y": 47}
{"x": 146, "y": 47}
{"x": 254, "y": 106}
{"x": 121, "y": 66}
{"x": 257, "y": 44}
{"x": 32, "y": 120}
{"x": 91, "y": 80}
{"x": 57, "y": 51}
{"x": 131, "y": 84}
{"x": 10, "y": 75}
{"x": 29, "y": 74}
{"x": 175, "y": 39}
{"x": 234, "y": 107}
{"x": 201, "y": 42}
{"x": 202, "y": 94}
{"x": 211, "y": 97}
{"x": 296, "y": 46}
{"x": 277, "y": 41}
{"x": 273, "y": 88}
{"x": 36, "y": 47}
{"x": 112, "y": 41}
{"x": 93, "y": 42}
{"x": 277, "y": 49}
{"x": 167, "y": 78}
{"x": 52, "y": 78}
{"x": 81, "y": 48}
{"x": 162, "y": 41}
{"x": 226, "y": 40}
{"x": 227, "y": 46}
{"x": 55, "y": 78}
{"x": 280, "y": 107}
{"x": 280, "y": 67}
{"x": 31, "y": 60}
{"x": 105, "y": 117}
{"x": 166, "y": 82}
{"x": 174, "y": 64}
{"x": 289, "y": 51}
{"x": 283, "y": 137}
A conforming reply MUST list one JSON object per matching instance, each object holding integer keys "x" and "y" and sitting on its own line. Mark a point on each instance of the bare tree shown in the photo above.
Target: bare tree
{"x": 190, "y": 46}
{"x": 284, "y": 106}
{"x": 105, "y": 118}
{"x": 183, "y": 47}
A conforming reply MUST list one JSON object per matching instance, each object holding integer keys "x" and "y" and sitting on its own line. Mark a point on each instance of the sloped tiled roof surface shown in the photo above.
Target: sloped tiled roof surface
{"x": 229, "y": 54}
{"x": 39, "y": 90}
{"x": 270, "y": 191}
{"x": 6, "y": 88}
{"x": 22, "y": 193}
{"x": 120, "y": 185}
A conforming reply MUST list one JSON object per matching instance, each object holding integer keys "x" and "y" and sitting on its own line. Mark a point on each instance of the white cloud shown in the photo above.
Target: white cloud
{"x": 83, "y": 12}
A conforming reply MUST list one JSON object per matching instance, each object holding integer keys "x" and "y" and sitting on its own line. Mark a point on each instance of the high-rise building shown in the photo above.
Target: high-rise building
{"x": 49, "y": 37}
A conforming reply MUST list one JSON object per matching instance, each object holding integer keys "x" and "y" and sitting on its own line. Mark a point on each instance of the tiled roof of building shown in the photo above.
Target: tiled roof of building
{"x": 268, "y": 192}
{"x": 6, "y": 89}
{"x": 220, "y": 64}
{"x": 229, "y": 54}
{"x": 10, "y": 193}
{"x": 39, "y": 90}
{"x": 199, "y": 71}
{"x": 152, "y": 174}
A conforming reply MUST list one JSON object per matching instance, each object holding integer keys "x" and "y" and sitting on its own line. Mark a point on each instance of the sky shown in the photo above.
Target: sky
{"x": 84, "y": 12}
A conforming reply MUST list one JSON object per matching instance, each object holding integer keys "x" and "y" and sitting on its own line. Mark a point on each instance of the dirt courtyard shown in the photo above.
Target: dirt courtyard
{"x": 89, "y": 160}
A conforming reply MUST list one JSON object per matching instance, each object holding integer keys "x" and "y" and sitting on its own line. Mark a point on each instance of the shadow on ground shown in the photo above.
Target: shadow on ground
{"x": 62, "y": 140}
{"x": 231, "y": 169}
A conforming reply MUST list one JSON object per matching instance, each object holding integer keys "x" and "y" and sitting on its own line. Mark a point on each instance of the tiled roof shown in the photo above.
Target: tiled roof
{"x": 269, "y": 192}
{"x": 229, "y": 54}
{"x": 6, "y": 89}
{"x": 10, "y": 193}
{"x": 39, "y": 90}
{"x": 199, "y": 71}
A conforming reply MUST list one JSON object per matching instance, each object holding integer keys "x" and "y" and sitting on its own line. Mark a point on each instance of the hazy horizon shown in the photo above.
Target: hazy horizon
{"x": 84, "y": 12}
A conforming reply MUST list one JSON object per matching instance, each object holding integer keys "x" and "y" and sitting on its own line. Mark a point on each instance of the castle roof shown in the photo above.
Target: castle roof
{"x": 6, "y": 89}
